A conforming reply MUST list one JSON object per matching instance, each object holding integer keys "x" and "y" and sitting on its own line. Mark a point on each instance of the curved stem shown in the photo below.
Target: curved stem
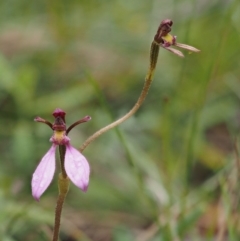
{"x": 148, "y": 80}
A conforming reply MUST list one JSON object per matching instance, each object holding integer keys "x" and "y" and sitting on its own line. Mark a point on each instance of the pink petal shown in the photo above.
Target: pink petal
{"x": 175, "y": 51}
{"x": 188, "y": 47}
{"x": 77, "y": 168}
{"x": 43, "y": 174}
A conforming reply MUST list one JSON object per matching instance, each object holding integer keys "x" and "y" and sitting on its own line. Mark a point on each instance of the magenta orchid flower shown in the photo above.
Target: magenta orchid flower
{"x": 75, "y": 164}
{"x": 166, "y": 40}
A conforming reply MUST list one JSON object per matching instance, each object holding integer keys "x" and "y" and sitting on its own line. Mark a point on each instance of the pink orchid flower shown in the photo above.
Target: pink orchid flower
{"x": 75, "y": 164}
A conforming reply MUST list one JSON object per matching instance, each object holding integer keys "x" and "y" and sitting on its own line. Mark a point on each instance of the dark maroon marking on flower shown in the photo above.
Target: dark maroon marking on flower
{"x": 59, "y": 124}
{"x": 163, "y": 29}
{"x": 59, "y": 113}
{"x": 167, "y": 21}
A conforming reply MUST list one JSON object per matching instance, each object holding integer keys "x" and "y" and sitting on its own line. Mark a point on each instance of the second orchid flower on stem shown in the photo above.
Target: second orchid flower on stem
{"x": 166, "y": 40}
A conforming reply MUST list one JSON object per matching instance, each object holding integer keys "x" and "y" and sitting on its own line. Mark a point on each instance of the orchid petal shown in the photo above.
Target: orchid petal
{"x": 175, "y": 51}
{"x": 43, "y": 174}
{"x": 188, "y": 47}
{"x": 77, "y": 167}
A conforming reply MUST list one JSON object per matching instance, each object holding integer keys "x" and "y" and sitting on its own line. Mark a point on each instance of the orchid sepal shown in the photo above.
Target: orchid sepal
{"x": 77, "y": 167}
{"x": 43, "y": 175}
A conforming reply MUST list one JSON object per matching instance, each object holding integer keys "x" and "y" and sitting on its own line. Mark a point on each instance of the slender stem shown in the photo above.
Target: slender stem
{"x": 63, "y": 185}
{"x": 148, "y": 80}
{"x": 63, "y": 181}
{"x": 58, "y": 212}
{"x": 62, "y": 151}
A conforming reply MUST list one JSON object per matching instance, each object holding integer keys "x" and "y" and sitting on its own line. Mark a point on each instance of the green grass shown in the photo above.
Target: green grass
{"x": 168, "y": 173}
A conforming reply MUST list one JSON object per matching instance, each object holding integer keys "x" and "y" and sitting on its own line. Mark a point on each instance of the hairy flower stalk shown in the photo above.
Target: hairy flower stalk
{"x": 74, "y": 165}
{"x": 164, "y": 39}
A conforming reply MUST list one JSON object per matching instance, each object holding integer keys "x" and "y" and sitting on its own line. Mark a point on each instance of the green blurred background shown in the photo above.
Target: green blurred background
{"x": 171, "y": 172}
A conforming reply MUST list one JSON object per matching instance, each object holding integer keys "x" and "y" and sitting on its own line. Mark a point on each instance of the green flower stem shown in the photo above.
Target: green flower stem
{"x": 63, "y": 185}
{"x": 63, "y": 181}
{"x": 148, "y": 80}
{"x": 62, "y": 151}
